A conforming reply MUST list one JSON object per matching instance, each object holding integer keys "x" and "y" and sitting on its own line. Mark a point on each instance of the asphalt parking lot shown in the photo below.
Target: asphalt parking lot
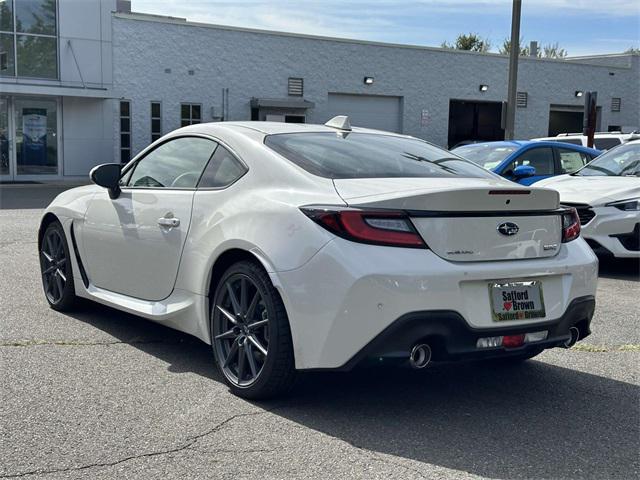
{"x": 102, "y": 394}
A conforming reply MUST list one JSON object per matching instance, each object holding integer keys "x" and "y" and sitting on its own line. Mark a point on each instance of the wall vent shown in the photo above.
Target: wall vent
{"x": 521, "y": 99}
{"x": 295, "y": 87}
{"x": 616, "y": 103}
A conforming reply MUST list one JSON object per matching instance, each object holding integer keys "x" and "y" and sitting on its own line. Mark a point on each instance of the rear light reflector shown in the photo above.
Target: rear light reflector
{"x": 512, "y": 341}
{"x": 376, "y": 227}
{"x": 570, "y": 225}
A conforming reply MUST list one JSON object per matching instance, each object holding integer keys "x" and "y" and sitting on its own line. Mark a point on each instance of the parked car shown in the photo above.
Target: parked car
{"x": 601, "y": 140}
{"x": 525, "y": 161}
{"x": 606, "y": 194}
{"x": 291, "y": 247}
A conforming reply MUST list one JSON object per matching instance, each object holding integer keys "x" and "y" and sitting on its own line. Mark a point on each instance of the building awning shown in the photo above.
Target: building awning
{"x": 55, "y": 90}
{"x": 281, "y": 103}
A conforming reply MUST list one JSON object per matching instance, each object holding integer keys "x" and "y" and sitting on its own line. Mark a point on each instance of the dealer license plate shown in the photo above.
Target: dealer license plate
{"x": 516, "y": 300}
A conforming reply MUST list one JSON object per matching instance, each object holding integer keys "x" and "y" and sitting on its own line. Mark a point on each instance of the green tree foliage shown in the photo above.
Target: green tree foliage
{"x": 471, "y": 42}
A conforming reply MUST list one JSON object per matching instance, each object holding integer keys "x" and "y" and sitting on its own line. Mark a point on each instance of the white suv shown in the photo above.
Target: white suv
{"x": 601, "y": 140}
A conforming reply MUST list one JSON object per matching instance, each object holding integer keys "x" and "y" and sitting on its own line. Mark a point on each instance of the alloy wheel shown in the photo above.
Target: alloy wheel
{"x": 54, "y": 265}
{"x": 241, "y": 330}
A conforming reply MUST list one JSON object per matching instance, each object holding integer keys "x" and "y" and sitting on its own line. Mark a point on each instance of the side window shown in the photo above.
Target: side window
{"x": 222, "y": 170}
{"x": 540, "y": 158}
{"x": 571, "y": 160}
{"x": 177, "y": 163}
{"x": 605, "y": 143}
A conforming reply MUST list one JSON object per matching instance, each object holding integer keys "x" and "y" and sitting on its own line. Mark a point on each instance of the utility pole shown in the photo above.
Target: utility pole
{"x": 514, "y": 51}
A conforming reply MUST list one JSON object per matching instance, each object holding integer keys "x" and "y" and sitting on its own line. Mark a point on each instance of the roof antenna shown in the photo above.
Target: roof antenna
{"x": 341, "y": 122}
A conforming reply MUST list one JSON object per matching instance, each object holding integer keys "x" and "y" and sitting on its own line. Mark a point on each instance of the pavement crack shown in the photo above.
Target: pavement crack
{"x": 186, "y": 444}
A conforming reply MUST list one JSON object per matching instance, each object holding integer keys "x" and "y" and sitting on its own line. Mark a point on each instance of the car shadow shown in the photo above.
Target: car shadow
{"x": 19, "y": 197}
{"x": 620, "y": 268}
{"x": 534, "y": 420}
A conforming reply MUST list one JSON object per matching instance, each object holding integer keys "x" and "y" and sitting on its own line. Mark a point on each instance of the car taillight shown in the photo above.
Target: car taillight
{"x": 377, "y": 227}
{"x": 570, "y": 225}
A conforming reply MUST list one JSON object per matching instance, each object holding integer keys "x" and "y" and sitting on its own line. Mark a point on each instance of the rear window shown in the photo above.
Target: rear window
{"x": 605, "y": 143}
{"x": 364, "y": 155}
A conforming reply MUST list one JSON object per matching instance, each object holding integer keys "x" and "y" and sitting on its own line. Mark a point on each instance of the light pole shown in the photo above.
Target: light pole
{"x": 514, "y": 51}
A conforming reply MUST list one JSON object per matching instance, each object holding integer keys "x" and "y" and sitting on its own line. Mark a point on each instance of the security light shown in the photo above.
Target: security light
{"x": 578, "y": 93}
{"x": 368, "y": 80}
{"x": 484, "y": 88}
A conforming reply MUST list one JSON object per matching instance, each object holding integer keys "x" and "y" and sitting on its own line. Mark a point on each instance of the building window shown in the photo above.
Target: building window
{"x": 295, "y": 87}
{"x": 125, "y": 131}
{"x": 156, "y": 121}
{"x": 616, "y": 103}
{"x": 190, "y": 114}
{"x": 29, "y": 46}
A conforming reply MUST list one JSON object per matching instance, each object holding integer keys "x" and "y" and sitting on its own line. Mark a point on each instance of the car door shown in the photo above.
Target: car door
{"x": 132, "y": 244}
{"x": 570, "y": 160}
{"x": 541, "y": 158}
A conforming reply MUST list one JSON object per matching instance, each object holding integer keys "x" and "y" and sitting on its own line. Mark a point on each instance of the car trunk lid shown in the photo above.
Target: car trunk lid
{"x": 467, "y": 219}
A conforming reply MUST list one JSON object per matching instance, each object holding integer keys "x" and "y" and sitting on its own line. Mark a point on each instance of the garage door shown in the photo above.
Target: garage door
{"x": 370, "y": 111}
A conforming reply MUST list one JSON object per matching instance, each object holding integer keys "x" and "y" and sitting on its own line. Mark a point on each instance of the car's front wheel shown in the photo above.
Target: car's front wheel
{"x": 55, "y": 267}
{"x": 250, "y": 333}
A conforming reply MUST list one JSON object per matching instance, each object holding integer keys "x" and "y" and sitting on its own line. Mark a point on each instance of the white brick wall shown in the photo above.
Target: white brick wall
{"x": 255, "y": 64}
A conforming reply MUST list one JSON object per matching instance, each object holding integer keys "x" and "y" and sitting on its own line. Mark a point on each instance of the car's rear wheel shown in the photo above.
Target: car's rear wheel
{"x": 55, "y": 266}
{"x": 250, "y": 333}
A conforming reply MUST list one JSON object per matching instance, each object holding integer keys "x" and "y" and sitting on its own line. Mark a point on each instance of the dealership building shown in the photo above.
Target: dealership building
{"x": 89, "y": 82}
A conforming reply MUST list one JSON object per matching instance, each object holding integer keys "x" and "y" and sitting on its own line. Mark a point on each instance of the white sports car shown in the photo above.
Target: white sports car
{"x": 293, "y": 247}
{"x": 606, "y": 194}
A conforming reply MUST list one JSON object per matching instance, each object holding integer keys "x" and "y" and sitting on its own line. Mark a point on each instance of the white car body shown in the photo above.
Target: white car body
{"x": 339, "y": 295}
{"x": 603, "y": 224}
{"x": 601, "y": 140}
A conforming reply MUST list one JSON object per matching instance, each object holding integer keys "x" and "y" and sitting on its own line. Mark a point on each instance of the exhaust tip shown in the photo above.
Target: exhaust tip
{"x": 420, "y": 356}
{"x": 575, "y": 336}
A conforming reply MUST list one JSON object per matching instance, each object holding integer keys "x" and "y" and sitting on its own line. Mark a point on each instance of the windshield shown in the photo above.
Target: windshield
{"x": 486, "y": 155}
{"x": 619, "y": 161}
{"x": 365, "y": 155}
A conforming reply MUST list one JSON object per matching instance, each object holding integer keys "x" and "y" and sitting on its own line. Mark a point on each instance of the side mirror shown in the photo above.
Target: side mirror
{"x": 107, "y": 175}
{"x": 524, "y": 171}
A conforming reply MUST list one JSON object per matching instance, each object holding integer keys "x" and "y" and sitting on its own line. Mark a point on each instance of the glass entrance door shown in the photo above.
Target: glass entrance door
{"x": 5, "y": 139}
{"x": 36, "y": 139}
{"x": 29, "y": 138}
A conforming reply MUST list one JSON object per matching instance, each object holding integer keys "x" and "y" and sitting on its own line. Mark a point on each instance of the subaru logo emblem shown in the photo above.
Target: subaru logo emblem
{"x": 508, "y": 228}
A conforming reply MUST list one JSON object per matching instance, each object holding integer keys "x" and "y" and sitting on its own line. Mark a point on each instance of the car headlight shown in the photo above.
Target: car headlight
{"x": 629, "y": 205}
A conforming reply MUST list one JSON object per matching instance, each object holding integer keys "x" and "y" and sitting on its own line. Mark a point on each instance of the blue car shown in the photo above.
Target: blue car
{"x": 527, "y": 161}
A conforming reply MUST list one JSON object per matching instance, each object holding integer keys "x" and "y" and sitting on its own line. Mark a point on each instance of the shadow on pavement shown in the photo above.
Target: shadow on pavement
{"x": 620, "y": 268}
{"x": 534, "y": 420}
{"x": 18, "y": 197}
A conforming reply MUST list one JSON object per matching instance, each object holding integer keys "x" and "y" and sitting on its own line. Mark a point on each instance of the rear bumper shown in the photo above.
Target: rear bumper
{"x": 349, "y": 293}
{"x": 451, "y": 338}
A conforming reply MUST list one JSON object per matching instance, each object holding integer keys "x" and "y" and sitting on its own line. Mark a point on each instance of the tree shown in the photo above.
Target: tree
{"x": 633, "y": 50}
{"x": 471, "y": 42}
{"x": 552, "y": 50}
{"x": 505, "y": 49}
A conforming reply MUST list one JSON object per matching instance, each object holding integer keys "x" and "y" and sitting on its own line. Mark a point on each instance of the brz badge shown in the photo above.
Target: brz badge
{"x": 508, "y": 228}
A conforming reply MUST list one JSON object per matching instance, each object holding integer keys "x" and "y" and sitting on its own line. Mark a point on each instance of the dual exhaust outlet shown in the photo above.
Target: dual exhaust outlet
{"x": 420, "y": 355}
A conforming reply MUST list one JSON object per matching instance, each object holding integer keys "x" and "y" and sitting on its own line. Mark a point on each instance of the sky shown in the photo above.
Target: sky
{"x": 581, "y": 27}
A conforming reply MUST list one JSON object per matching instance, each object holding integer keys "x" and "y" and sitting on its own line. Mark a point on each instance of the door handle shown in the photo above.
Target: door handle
{"x": 168, "y": 222}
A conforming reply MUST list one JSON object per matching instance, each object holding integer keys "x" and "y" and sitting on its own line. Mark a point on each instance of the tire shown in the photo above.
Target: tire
{"x": 244, "y": 327}
{"x": 56, "y": 270}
